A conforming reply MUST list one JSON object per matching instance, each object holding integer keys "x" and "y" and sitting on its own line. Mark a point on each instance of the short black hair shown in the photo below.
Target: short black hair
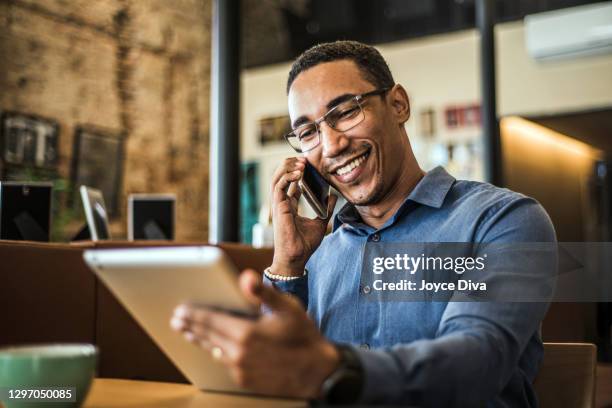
{"x": 372, "y": 65}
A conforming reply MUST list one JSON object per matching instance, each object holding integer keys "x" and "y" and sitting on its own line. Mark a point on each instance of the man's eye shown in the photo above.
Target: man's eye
{"x": 348, "y": 113}
{"x": 307, "y": 133}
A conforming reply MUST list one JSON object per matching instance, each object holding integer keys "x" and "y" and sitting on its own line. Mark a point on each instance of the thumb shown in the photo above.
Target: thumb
{"x": 257, "y": 293}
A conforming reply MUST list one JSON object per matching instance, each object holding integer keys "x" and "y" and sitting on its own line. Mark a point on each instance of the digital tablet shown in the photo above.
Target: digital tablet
{"x": 151, "y": 282}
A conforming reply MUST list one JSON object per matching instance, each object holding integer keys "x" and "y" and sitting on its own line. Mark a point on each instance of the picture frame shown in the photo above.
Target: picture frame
{"x": 28, "y": 141}
{"x": 427, "y": 121}
{"x": 97, "y": 161}
{"x": 272, "y": 129}
{"x": 463, "y": 116}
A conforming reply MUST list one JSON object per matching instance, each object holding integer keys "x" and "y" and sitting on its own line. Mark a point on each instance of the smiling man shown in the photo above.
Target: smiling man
{"x": 326, "y": 341}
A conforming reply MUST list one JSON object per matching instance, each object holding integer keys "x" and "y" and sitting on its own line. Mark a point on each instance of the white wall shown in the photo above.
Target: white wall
{"x": 526, "y": 86}
{"x": 439, "y": 71}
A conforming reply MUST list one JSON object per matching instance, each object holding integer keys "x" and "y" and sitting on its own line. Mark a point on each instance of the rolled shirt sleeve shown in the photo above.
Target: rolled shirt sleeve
{"x": 297, "y": 287}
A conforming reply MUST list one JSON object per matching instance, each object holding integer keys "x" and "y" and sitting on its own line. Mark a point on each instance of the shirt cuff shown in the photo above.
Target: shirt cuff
{"x": 297, "y": 287}
{"x": 383, "y": 380}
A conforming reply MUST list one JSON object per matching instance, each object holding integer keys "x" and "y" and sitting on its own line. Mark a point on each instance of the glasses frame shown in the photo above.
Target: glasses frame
{"x": 358, "y": 98}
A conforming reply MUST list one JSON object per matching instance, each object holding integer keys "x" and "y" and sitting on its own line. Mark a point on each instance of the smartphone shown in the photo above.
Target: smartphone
{"x": 315, "y": 190}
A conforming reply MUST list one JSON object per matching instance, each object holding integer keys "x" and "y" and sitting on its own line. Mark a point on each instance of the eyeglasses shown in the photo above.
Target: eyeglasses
{"x": 342, "y": 117}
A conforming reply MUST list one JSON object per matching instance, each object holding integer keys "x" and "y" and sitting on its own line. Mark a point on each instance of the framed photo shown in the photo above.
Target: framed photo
{"x": 452, "y": 116}
{"x": 97, "y": 162}
{"x": 472, "y": 116}
{"x": 462, "y": 116}
{"x": 428, "y": 122}
{"x": 273, "y": 129}
{"x": 29, "y": 141}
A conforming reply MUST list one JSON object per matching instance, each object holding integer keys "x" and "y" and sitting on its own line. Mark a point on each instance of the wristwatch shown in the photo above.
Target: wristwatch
{"x": 344, "y": 386}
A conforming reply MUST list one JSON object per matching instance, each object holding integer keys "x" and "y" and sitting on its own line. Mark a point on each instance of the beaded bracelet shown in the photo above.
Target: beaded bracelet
{"x": 282, "y": 278}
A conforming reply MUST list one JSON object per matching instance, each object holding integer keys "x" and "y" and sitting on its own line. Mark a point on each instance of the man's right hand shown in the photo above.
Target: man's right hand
{"x": 295, "y": 237}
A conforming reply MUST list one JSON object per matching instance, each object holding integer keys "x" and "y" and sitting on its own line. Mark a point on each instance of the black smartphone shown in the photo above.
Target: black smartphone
{"x": 315, "y": 190}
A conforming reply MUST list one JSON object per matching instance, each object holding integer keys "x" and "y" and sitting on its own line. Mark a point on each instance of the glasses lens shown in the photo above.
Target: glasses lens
{"x": 346, "y": 116}
{"x": 307, "y": 136}
{"x": 294, "y": 141}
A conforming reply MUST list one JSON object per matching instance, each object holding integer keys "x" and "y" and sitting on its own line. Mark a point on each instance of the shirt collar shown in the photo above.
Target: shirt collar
{"x": 430, "y": 191}
{"x": 433, "y": 188}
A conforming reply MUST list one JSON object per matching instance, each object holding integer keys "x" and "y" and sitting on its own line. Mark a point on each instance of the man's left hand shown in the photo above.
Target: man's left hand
{"x": 280, "y": 353}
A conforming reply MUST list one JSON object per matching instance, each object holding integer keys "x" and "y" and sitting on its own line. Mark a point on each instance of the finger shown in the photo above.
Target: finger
{"x": 190, "y": 337}
{"x": 269, "y": 296}
{"x": 294, "y": 191}
{"x": 198, "y": 340}
{"x": 178, "y": 324}
{"x": 230, "y": 349}
{"x": 206, "y": 344}
{"x": 280, "y": 190}
{"x": 191, "y": 332}
{"x": 288, "y": 165}
{"x": 204, "y": 338}
{"x": 204, "y": 321}
{"x": 247, "y": 281}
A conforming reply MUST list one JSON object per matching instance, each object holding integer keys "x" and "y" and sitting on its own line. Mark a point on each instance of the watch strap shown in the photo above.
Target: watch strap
{"x": 345, "y": 384}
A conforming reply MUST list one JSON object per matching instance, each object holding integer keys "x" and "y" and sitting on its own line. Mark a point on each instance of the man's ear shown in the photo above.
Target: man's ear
{"x": 400, "y": 103}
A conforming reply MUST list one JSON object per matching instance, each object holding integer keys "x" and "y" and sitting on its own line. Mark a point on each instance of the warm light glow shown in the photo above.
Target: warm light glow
{"x": 541, "y": 137}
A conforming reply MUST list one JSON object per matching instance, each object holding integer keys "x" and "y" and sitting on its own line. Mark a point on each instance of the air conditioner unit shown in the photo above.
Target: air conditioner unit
{"x": 570, "y": 33}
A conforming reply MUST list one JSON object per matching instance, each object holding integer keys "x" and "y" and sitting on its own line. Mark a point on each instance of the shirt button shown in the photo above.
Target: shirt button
{"x": 375, "y": 238}
{"x": 364, "y": 346}
{"x": 366, "y": 289}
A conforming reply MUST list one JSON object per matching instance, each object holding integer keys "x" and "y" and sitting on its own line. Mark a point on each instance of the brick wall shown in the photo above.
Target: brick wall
{"x": 138, "y": 67}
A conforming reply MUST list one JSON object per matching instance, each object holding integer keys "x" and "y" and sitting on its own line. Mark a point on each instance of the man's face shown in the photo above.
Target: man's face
{"x": 361, "y": 163}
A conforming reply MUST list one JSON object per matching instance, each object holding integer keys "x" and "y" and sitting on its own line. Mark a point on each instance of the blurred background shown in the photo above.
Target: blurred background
{"x": 119, "y": 95}
{"x": 116, "y": 94}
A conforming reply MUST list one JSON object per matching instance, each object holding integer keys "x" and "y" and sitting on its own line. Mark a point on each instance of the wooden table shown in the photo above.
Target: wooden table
{"x": 110, "y": 393}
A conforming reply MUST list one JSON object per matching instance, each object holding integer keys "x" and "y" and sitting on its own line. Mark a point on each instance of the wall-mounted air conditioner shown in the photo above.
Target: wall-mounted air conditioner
{"x": 571, "y": 32}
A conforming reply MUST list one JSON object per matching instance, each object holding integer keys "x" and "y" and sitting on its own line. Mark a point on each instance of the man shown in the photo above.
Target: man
{"x": 348, "y": 116}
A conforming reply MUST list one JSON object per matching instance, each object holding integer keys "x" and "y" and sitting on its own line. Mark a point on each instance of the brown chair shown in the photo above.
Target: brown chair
{"x": 567, "y": 375}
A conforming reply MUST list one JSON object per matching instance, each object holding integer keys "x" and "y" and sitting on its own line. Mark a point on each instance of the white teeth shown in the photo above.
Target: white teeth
{"x": 350, "y": 166}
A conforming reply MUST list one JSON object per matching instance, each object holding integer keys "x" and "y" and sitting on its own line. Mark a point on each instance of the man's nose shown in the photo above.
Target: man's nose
{"x": 332, "y": 141}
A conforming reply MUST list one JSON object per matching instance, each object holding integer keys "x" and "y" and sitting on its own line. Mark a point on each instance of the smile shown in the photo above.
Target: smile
{"x": 351, "y": 165}
{"x": 352, "y": 169}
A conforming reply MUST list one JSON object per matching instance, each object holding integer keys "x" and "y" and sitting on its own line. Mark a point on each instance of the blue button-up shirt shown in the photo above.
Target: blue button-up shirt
{"x": 432, "y": 353}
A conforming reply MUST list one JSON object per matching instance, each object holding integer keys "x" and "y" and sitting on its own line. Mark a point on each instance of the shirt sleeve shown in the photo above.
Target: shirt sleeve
{"x": 297, "y": 287}
{"x": 477, "y": 345}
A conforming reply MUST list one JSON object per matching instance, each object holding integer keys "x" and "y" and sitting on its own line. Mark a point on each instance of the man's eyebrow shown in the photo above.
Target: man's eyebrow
{"x": 337, "y": 100}
{"x": 300, "y": 121}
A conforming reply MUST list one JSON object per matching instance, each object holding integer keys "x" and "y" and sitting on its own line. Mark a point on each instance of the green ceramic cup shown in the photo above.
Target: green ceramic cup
{"x": 46, "y": 365}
